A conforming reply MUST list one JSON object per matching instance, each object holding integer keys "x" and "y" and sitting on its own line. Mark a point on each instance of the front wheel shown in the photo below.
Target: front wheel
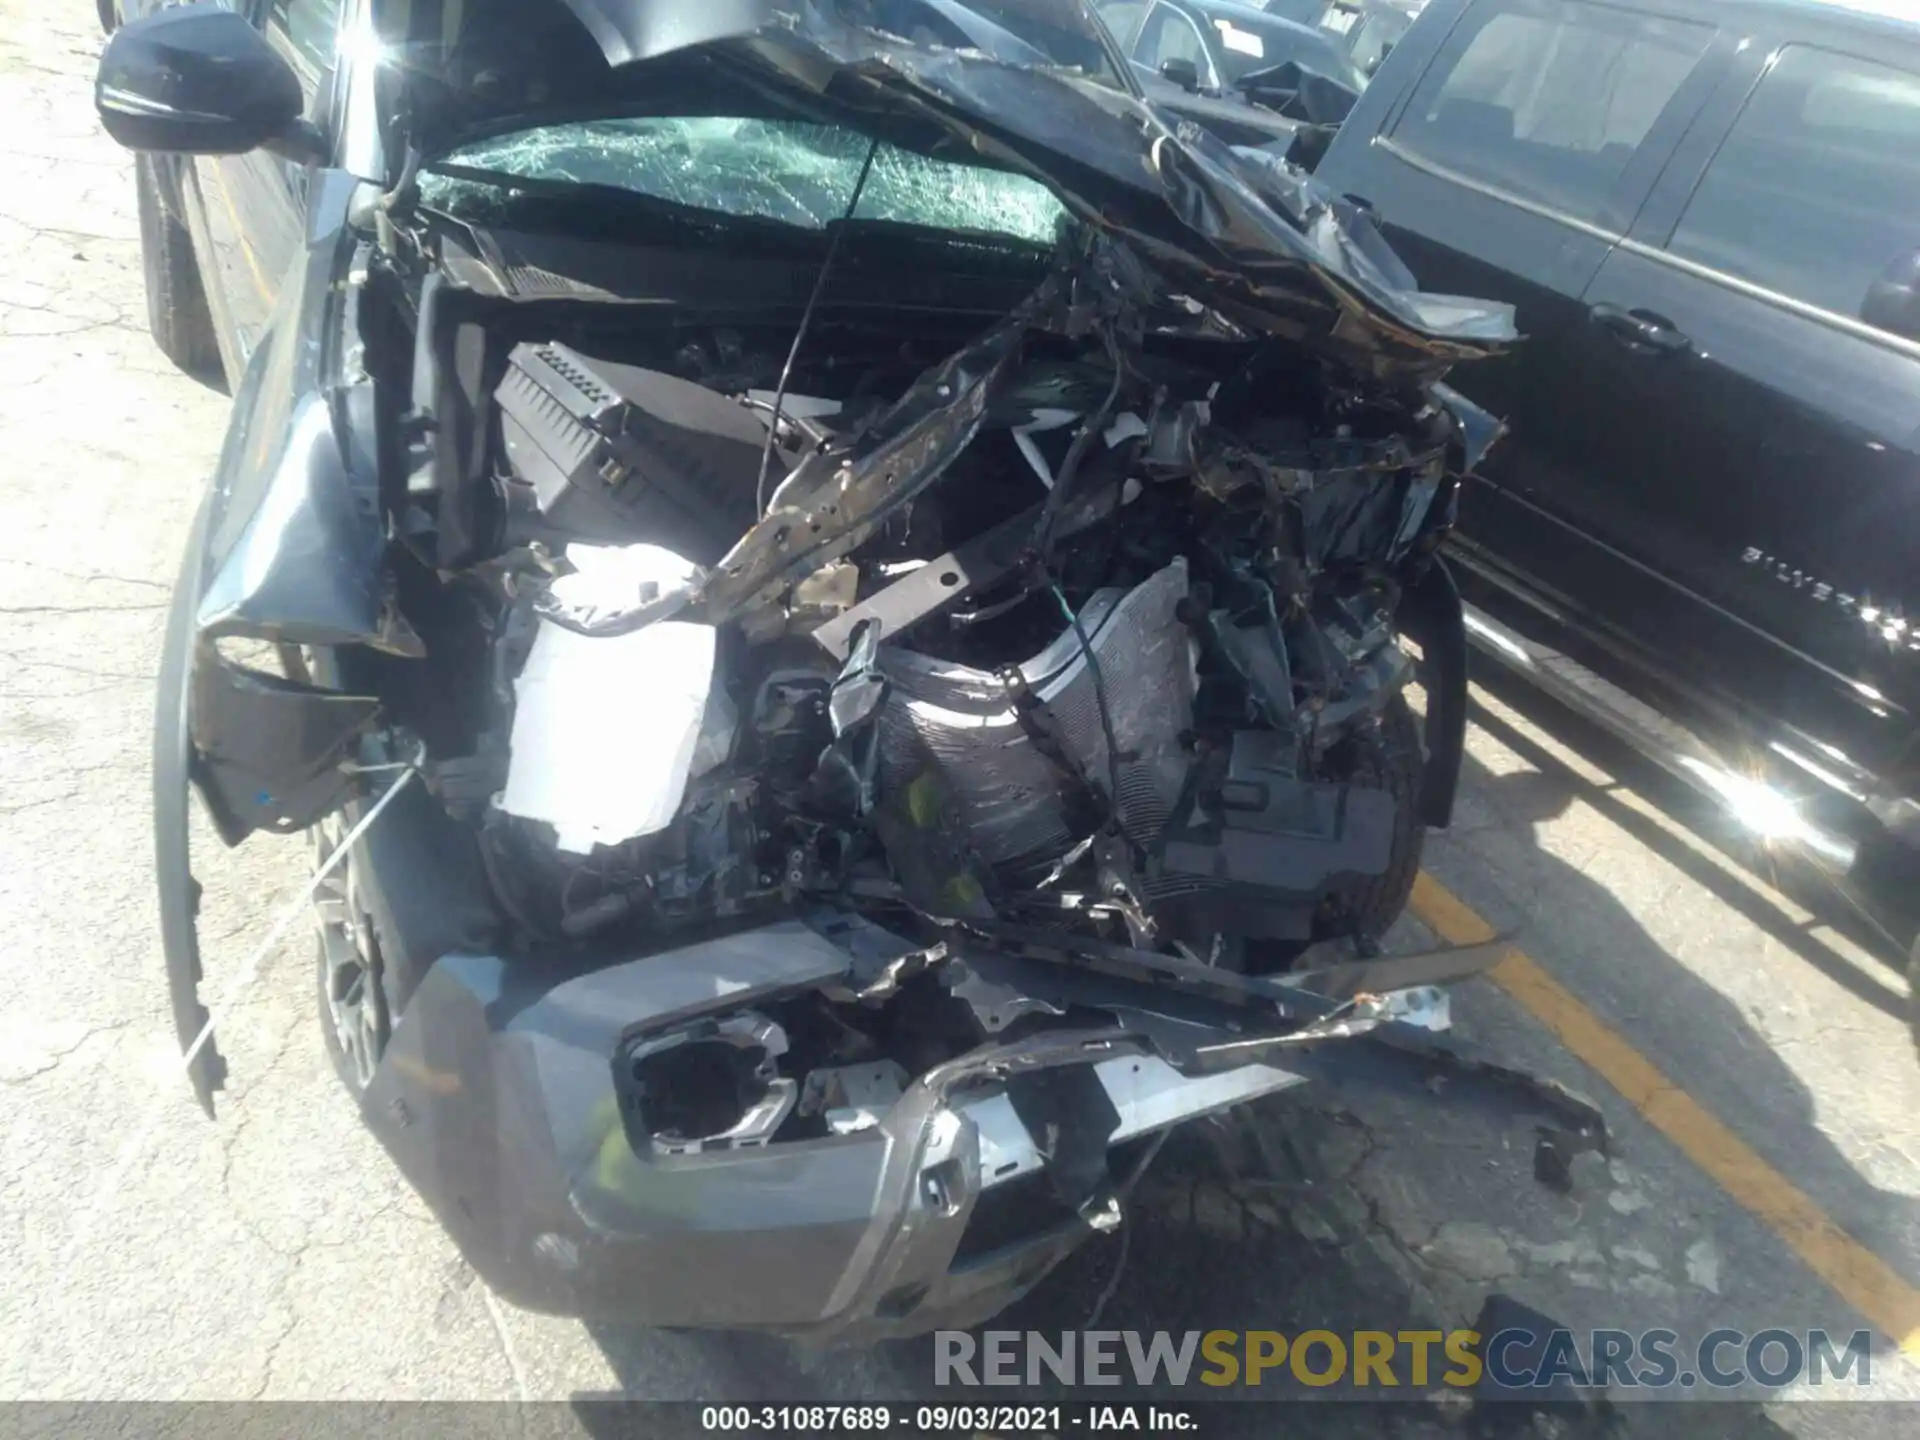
{"x": 354, "y": 1021}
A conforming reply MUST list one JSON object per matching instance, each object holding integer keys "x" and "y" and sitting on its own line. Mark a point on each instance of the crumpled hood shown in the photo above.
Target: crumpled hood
{"x": 1240, "y": 231}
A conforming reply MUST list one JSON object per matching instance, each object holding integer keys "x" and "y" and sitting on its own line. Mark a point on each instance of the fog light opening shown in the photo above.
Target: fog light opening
{"x": 715, "y": 1085}
{"x": 697, "y": 1091}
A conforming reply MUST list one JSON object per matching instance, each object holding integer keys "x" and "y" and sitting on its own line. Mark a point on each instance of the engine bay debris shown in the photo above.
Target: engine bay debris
{"x": 867, "y": 782}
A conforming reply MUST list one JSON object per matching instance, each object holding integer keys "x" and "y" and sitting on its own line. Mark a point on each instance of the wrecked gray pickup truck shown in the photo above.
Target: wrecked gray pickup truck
{"x": 834, "y": 589}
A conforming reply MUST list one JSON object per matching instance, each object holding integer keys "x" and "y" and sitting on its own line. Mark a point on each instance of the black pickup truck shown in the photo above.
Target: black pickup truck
{"x": 1702, "y": 527}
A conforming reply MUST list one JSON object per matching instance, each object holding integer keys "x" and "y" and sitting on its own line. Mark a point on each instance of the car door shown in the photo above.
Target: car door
{"x": 1754, "y": 496}
{"x": 1508, "y": 168}
{"x": 252, "y": 207}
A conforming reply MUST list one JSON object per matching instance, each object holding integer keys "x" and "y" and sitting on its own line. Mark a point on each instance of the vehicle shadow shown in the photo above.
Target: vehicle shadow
{"x": 1741, "y": 892}
{"x": 1195, "y": 1255}
{"x": 1223, "y": 1236}
{"x": 1579, "y": 930}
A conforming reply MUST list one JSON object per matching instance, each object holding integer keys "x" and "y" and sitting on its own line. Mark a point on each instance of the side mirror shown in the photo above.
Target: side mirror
{"x": 199, "y": 80}
{"x": 1893, "y": 301}
{"x": 1182, "y": 72}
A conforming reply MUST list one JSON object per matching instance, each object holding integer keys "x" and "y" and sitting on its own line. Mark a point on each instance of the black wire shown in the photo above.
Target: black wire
{"x": 1042, "y": 537}
{"x": 806, "y": 319}
{"x": 1095, "y": 424}
{"x": 1100, "y": 703}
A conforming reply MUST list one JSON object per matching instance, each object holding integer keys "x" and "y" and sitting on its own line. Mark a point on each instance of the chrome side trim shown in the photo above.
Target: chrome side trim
{"x": 1494, "y": 192}
{"x": 1832, "y": 319}
{"x": 1773, "y": 819}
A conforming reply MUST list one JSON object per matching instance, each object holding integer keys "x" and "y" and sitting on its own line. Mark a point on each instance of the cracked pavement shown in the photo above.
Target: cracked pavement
{"x": 275, "y": 1253}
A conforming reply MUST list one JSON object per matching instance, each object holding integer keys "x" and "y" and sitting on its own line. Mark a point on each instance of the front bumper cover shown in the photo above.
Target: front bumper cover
{"x": 497, "y": 1098}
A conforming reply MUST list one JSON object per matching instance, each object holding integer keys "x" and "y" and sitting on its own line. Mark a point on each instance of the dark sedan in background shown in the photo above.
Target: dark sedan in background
{"x": 1224, "y": 43}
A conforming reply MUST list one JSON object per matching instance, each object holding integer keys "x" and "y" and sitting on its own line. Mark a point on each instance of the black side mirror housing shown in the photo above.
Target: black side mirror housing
{"x": 1893, "y": 301}
{"x": 1181, "y": 72}
{"x": 199, "y": 80}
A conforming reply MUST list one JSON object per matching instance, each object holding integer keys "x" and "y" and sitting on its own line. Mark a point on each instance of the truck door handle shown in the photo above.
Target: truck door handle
{"x": 1641, "y": 329}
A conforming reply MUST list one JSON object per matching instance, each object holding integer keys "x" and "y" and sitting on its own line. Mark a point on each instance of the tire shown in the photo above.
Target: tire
{"x": 177, "y": 313}
{"x": 108, "y": 20}
{"x": 1913, "y": 993}
{"x": 1390, "y": 759}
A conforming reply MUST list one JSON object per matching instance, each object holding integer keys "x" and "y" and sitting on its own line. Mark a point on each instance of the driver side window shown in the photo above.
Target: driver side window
{"x": 1816, "y": 192}
{"x": 1169, "y": 35}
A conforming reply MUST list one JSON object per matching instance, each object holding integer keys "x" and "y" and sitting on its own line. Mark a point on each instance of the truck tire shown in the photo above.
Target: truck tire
{"x": 1387, "y": 758}
{"x": 1390, "y": 759}
{"x": 108, "y": 20}
{"x": 1913, "y": 993}
{"x": 177, "y": 312}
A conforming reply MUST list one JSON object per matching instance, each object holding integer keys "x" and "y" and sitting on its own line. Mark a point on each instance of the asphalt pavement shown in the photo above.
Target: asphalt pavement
{"x": 1762, "y": 1096}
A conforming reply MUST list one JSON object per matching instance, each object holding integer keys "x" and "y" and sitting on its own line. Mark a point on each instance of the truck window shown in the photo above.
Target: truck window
{"x": 1816, "y": 192}
{"x": 1548, "y": 99}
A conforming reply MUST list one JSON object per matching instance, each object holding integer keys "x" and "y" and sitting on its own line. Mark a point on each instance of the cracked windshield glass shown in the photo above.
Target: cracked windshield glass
{"x": 788, "y": 170}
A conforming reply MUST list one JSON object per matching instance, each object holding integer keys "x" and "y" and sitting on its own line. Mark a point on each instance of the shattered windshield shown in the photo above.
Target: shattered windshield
{"x": 789, "y": 171}
{"x": 716, "y": 117}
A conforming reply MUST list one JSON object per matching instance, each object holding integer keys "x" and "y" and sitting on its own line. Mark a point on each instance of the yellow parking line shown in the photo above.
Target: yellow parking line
{"x": 1855, "y": 1273}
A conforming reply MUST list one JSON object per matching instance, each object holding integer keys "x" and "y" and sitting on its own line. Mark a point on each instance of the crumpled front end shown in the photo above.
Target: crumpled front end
{"x": 872, "y": 770}
{"x": 544, "y": 1120}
